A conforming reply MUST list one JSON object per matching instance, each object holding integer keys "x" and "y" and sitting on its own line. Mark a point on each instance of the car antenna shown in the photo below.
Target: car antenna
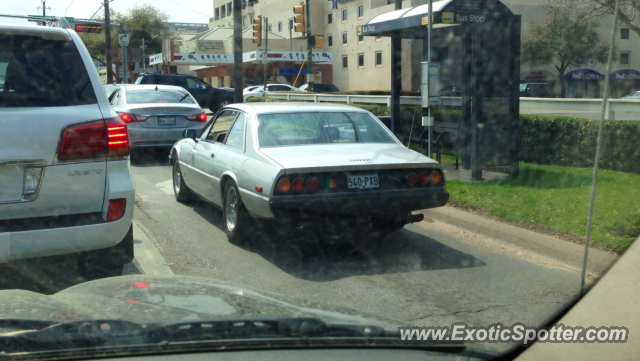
{"x": 156, "y": 88}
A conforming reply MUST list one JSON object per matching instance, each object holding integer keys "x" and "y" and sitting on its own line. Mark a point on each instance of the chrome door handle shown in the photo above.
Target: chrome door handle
{"x": 213, "y": 155}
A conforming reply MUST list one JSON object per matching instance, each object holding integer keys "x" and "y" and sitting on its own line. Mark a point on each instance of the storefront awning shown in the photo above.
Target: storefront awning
{"x": 625, "y": 74}
{"x": 583, "y": 75}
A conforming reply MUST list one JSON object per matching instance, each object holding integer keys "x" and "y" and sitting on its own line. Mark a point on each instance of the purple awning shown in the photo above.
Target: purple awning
{"x": 583, "y": 74}
{"x": 625, "y": 74}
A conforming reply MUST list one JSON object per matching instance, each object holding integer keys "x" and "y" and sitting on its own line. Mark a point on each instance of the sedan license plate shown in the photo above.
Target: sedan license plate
{"x": 167, "y": 120}
{"x": 363, "y": 181}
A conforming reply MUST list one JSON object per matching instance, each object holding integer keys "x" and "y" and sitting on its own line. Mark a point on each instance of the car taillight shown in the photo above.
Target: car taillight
{"x": 298, "y": 184}
{"x": 313, "y": 183}
{"x": 116, "y": 209}
{"x": 423, "y": 178}
{"x": 284, "y": 185}
{"x": 132, "y": 118}
{"x": 202, "y": 117}
{"x": 94, "y": 139}
{"x": 436, "y": 177}
{"x": 412, "y": 179}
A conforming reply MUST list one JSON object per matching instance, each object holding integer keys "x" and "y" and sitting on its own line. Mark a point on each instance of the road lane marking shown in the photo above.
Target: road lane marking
{"x": 150, "y": 260}
{"x": 166, "y": 186}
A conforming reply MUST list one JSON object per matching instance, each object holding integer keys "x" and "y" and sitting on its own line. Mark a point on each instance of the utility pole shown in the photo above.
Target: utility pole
{"x": 429, "y": 112}
{"x": 107, "y": 41}
{"x": 238, "y": 71}
{"x": 44, "y": 11}
{"x": 310, "y": 77}
{"x": 144, "y": 66}
{"x": 266, "y": 55}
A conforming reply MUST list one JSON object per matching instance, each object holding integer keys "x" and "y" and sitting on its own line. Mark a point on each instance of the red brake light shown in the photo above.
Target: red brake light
{"x": 131, "y": 118}
{"x": 116, "y": 209}
{"x": 95, "y": 139}
{"x": 202, "y": 117}
{"x": 313, "y": 183}
{"x": 423, "y": 178}
{"x": 412, "y": 179}
{"x": 298, "y": 184}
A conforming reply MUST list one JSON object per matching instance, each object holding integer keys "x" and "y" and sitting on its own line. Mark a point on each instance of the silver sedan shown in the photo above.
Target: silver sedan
{"x": 156, "y": 115}
{"x": 305, "y": 165}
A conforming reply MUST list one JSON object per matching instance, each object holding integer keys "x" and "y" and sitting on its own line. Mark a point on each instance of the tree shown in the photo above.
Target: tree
{"x": 566, "y": 38}
{"x": 143, "y": 22}
{"x": 629, "y": 13}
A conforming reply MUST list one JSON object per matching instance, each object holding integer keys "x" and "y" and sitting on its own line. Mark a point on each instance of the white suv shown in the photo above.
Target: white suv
{"x": 65, "y": 177}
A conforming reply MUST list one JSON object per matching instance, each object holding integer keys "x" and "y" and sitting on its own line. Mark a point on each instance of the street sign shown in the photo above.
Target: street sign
{"x": 123, "y": 31}
{"x": 41, "y": 18}
{"x": 70, "y": 19}
{"x": 123, "y": 39}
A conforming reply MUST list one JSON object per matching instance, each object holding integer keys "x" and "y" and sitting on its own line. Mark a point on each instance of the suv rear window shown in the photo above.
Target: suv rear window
{"x": 36, "y": 72}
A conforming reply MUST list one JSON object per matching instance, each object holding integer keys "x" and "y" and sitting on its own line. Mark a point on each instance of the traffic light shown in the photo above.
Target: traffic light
{"x": 88, "y": 29}
{"x": 300, "y": 18}
{"x": 317, "y": 42}
{"x": 257, "y": 30}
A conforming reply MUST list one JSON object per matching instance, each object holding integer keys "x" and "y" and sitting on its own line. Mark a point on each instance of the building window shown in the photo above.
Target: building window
{"x": 329, "y": 18}
{"x": 229, "y": 8}
{"x": 624, "y": 33}
{"x": 389, "y": 2}
{"x": 378, "y": 58}
{"x": 280, "y": 26}
{"x": 378, "y": 38}
{"x": 345, "y": 61}
{"x": 244, "y": 21}
{"x": 290, "y": 24}
{"x": 361, "y": 60}
{"x": 217, "y": 13}
{"x": 344, "y": 14}
{"x": 361, "y": 38}
{"x": 624, "y": 58}
{"x": 223, "y": 12}
{"x": 270, "y": 28}
{"x": 360, "y": 11}
{"x": 344, "y": 38}
{"x": 330, "y": 40}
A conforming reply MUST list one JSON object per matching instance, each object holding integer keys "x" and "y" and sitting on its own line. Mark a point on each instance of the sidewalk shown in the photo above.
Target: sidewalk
{"x": 560, "y": 250}
{"x": 450, "y": 172}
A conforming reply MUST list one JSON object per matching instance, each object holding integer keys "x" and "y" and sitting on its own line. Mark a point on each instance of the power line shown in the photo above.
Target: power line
{"x": 65, "y": 12}
{"x": 195, "y": 11}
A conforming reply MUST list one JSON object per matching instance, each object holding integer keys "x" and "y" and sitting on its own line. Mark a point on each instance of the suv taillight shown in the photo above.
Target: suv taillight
{"x": 95, "y": 139}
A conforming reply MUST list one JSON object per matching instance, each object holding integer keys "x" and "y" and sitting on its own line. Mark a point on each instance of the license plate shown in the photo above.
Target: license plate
{"x": 167, "y": 120}
{"x": 363, "y": 181}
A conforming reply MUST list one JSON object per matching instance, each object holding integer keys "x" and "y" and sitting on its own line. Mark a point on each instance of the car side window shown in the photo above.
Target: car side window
{"x": 115, "y": 97}
{"x": 195, "y": 83}
{"x": 112, "y": 97}
{"x": 221, "y": 125}
{"x": 271, "y": 88}
{"x": 236, "y": 134}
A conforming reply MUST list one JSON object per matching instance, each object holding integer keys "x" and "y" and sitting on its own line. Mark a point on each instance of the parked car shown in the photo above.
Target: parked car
{"x": 321, "y": 88}
{"x": 249, "y": 89}
{"x": 634, "y": 95}
{"x": 304, "y": 165}
{"x": 109, "y": 89}
{"x": 66, "y": 187}
{"x": 535, "y": 90}
{"x": 271, "y": 88}
{"x": 207, "y": 96}
{"x": 156, "y": 115}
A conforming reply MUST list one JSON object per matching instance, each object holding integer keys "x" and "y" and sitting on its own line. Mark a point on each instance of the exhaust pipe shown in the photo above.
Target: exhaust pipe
{"x": 413, "y": 218}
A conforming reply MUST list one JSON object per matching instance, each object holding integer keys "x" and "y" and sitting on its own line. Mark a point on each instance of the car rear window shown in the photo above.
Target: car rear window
{"x": 37, "y": 72}
{"x": 159, "y": 96}
{"x": 288, "y": 129}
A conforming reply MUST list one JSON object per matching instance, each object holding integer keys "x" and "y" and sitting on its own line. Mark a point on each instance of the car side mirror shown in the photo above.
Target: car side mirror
{"x": 189, "y": 133}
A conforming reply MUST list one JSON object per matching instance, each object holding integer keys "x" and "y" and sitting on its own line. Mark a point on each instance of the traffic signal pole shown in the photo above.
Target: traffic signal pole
{"x": 107, "y": 41}
{"x": 310, "y": 77}
{"x": 124, "y": 60}
{"x": 266, "y": 55}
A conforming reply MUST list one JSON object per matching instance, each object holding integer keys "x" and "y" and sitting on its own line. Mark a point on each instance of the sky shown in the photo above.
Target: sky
{"x": 192, "y": 11}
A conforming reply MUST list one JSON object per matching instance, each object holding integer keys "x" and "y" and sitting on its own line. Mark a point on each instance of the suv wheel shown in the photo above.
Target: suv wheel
{"x": 224, "y": 103}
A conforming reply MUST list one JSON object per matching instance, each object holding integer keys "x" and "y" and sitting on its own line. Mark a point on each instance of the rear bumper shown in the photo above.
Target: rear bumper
{"x": 158, "y": 137}
{"x": 383, "y": 203}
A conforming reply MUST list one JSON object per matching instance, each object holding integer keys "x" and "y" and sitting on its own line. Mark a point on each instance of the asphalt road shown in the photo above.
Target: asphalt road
{"x": 421, "y": 276}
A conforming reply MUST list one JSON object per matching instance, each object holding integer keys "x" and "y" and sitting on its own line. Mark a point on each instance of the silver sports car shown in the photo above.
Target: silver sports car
{"x": 156, "y": 115}
{"x": 302, "y": 165}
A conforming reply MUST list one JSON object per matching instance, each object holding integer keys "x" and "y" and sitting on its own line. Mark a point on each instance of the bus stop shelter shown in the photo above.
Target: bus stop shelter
{"x": 477, "y": 43}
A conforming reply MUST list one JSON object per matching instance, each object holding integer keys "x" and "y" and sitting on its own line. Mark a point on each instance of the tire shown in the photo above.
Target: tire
{"x": 235, "y": 217}
{"x": 108, "y": 262}
{"x": 180, "y": 190}
{"x": 223, "y": 103}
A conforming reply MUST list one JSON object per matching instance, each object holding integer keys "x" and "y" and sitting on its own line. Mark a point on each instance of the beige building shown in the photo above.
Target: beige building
{"x": 363, "y": 63}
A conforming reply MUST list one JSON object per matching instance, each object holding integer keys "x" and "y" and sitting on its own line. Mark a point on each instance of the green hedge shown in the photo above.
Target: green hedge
{"x": 571, "y": 142}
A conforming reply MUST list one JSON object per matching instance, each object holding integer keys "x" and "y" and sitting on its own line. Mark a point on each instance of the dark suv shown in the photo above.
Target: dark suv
{"x": 206, "y": 95}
